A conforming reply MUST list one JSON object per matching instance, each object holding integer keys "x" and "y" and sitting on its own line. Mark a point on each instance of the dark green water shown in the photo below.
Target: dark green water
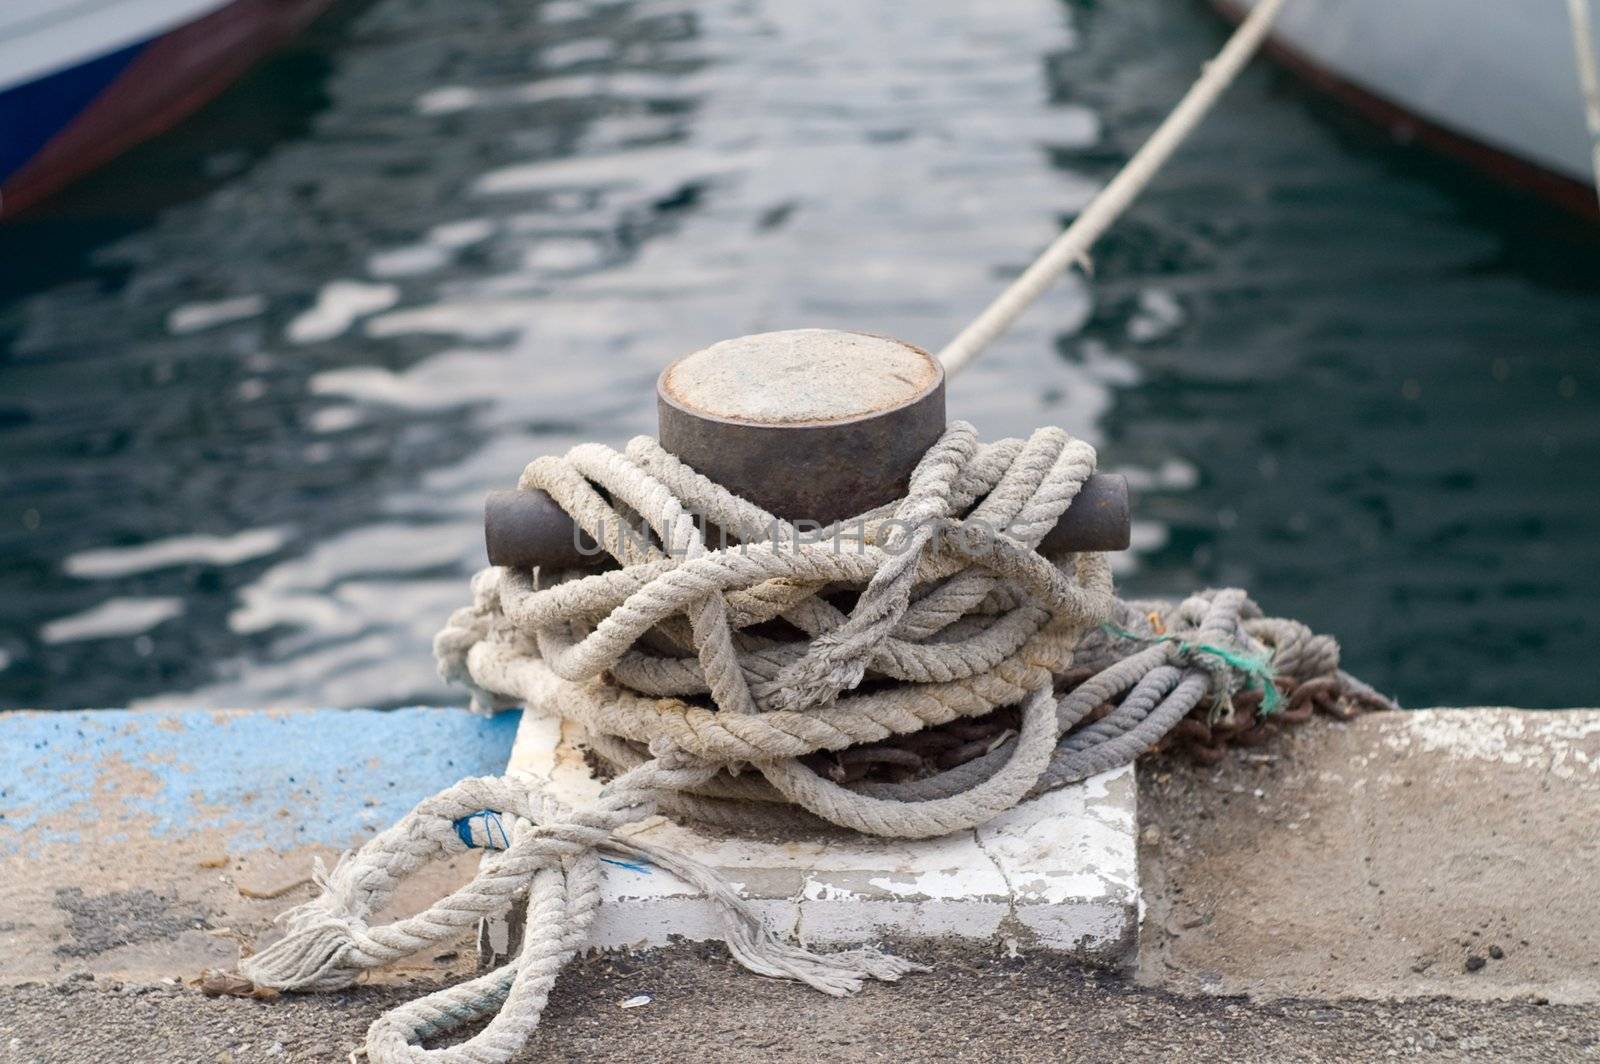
{"x": 256, "y": 377}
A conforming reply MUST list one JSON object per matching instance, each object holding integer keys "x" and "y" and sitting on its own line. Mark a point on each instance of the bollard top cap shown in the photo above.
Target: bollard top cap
{"x": 800, "y": 377}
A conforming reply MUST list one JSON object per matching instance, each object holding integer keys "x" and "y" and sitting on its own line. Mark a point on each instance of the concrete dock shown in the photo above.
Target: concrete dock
{"x": 1418, "y": 884}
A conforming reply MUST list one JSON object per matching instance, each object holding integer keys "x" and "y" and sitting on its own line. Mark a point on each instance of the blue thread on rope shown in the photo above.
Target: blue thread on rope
{"x": 491, "y": 826}
{"x": 632, "y": 866}
{"x": 1257, "y": 668}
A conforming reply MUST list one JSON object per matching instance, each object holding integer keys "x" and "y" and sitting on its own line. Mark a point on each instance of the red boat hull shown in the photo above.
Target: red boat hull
{"x": 171, "y": 77}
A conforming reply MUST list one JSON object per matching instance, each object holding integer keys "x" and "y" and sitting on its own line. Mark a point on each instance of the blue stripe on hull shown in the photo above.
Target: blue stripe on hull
{"x": 31, "y": 114}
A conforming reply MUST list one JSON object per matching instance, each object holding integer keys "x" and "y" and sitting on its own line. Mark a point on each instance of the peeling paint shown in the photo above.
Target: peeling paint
{"x": 251, "y": 780}
{"x": 1059, "y": 872}
{"x": 1567, "y": 745}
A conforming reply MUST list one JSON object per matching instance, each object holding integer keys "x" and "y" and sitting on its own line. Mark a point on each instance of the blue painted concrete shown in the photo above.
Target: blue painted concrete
{"x": 324, "y": 777}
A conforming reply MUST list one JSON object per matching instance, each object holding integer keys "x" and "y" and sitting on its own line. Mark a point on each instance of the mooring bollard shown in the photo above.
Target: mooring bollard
{"x": 812, "y": 425}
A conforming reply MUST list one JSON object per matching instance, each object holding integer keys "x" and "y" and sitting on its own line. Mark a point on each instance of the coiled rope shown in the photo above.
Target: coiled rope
{"x": 705, "y": 677}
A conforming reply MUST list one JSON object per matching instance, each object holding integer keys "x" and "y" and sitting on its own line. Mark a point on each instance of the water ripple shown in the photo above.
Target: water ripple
{"x": 248, "y": 420}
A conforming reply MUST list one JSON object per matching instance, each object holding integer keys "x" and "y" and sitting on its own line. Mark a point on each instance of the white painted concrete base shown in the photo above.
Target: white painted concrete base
{"x": 1058, "y": 873}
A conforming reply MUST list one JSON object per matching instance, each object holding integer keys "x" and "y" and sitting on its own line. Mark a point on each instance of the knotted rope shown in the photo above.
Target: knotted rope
{"x": 707, "y": 677}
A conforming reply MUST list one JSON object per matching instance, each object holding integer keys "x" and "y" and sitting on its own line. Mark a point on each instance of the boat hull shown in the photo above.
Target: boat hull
{"x": 1493, "y": 85}
{"x": 76, "y": 93}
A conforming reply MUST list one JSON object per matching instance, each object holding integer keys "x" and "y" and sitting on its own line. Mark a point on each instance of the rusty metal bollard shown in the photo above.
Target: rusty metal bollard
{"x": 811, "y": 425}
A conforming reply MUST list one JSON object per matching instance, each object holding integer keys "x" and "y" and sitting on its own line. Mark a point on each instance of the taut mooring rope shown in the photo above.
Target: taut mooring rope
{"x": 708, "y": 677}
{"x": 1588, "y": 78}
{"x": 1073, "y": 245}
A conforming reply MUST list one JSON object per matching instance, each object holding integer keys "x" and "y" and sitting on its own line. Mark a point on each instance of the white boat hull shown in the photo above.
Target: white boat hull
{"x": 39, "y": 37}
{"x": 1499, "y": 76}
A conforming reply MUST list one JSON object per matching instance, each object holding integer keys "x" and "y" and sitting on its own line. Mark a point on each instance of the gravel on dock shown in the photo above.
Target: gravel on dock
{"x": 973, "y": 1007}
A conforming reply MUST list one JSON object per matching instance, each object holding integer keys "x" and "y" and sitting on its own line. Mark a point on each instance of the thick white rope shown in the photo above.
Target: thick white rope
{"x": 544, "y": 856}
{"x": 1072, "y": 247}
{"x": 705, "y": 677}
{"x": 1588, "y": 77}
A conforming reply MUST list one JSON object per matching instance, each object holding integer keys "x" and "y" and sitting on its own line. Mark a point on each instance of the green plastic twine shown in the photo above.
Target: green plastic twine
{"x": 1256, "y": 668}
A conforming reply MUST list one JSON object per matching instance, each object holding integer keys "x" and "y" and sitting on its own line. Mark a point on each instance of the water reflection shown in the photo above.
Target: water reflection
{"x": 247, "y": 443}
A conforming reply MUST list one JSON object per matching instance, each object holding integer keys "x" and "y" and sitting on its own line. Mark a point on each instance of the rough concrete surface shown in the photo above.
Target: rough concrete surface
{"x": 140, "y": 845}
{"x": 1430, "y": 852}
{"x": 972, "y": 1007}
{"x": 1323, "y": 898}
